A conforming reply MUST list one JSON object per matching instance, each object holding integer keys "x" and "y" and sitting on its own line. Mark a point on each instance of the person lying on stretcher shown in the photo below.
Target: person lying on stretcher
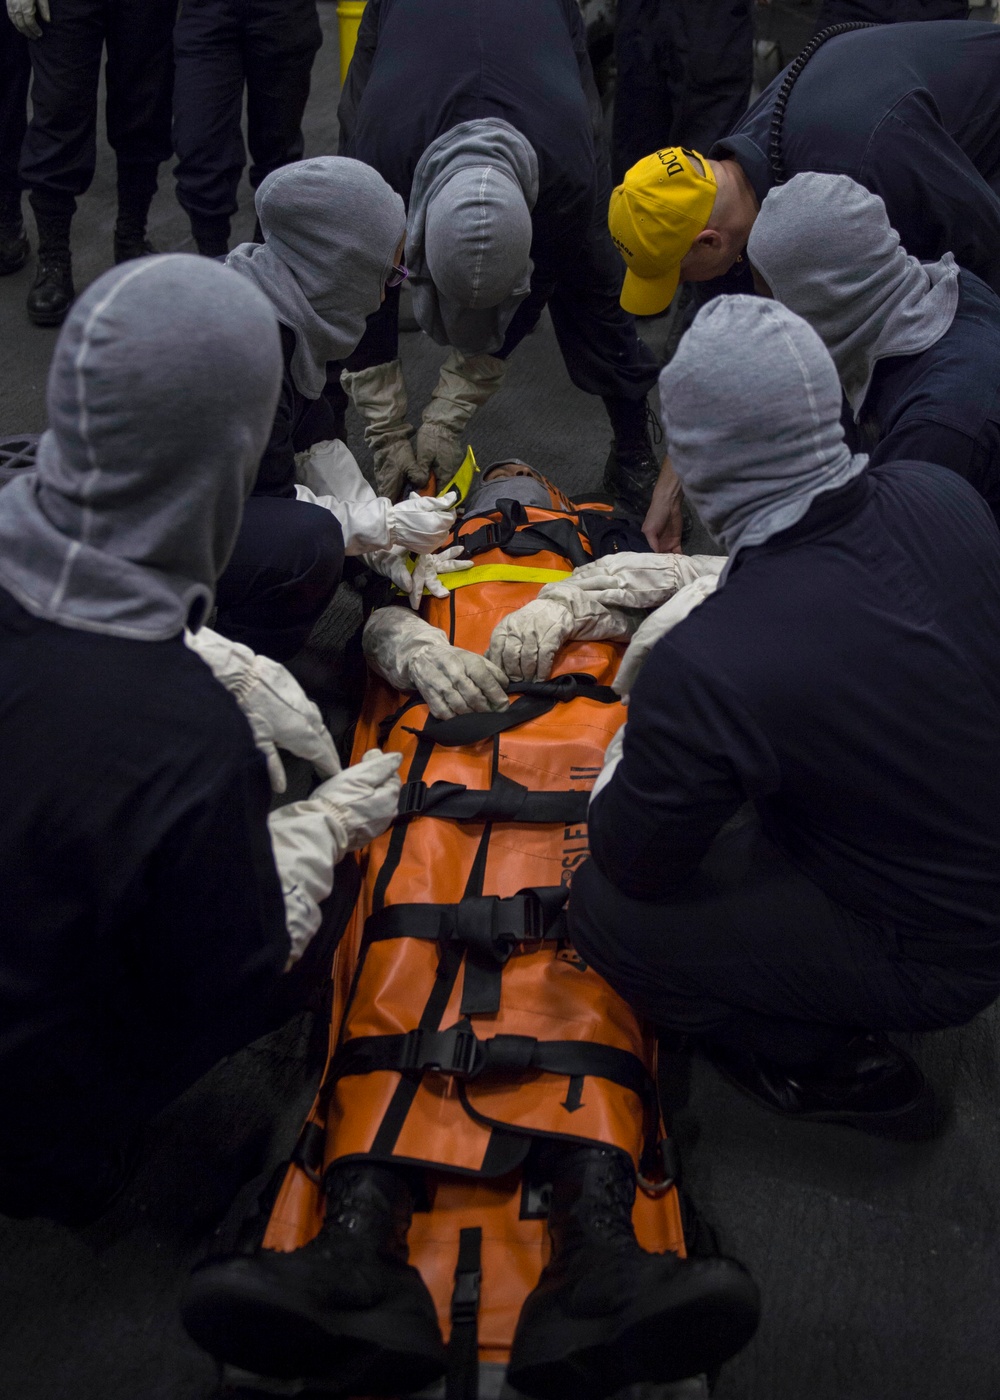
{"x": 604, "y": 600}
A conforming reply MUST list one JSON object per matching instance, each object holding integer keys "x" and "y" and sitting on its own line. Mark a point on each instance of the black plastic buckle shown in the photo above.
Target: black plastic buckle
{"x": 412, "y": 799}
{"x": 454, "y": 1051}
{"x": 465, "y": 1297}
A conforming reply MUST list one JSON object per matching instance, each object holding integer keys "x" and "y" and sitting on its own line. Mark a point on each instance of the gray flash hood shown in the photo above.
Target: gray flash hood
{"x": 751, "y": 408}
{"x": 161, "y": 396}
{"x": 331, "y": 229}
{"x": 825, "y": 247}
{"x": 469, "y": 233}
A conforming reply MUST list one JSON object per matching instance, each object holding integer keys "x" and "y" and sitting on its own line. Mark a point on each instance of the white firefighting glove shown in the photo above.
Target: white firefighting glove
{"x": 25, "y": 14}
{"x": 412, "y": 655}
{"x": 379, "y": 395}
{"x": 327, "y": 475}
{"x": 612, "y": 758}
{"x": 657, "y": 625}
{"x": 465, "y": 383}
{"x": 370, "y": 522}
{"x": 421, "y": 523}
{"x": 309, "y": 838}
{"x": 391, "y": 564}
{"x": 279, "y": 712}
{"x": 640, "y": 580}
{"x": 524, "y": 644}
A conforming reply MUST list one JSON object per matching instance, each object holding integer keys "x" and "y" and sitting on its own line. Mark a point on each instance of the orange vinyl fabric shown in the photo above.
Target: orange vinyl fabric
{"x": 471, "y": 1134}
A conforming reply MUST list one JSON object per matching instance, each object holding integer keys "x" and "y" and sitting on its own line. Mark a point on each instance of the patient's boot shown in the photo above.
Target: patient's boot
{"x": 347, "y": 1307}
{"x": 607, "y": 1314}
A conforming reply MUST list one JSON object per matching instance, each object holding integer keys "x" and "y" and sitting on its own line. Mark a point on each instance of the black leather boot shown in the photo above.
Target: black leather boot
{"x": 14, "y": 246}
{"x": 869, "y": 1084}
{"x": 606, "y": 1314}
{"x": 53, "y": 293}
{"x": 130, "y": 226}
{"x": 632, "y": 467}
{"x": 346, "y": 1308}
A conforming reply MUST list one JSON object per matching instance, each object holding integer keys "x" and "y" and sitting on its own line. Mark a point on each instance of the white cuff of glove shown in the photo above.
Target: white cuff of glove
{"x": 366, "y": 525}
{"x": 612, "y": 758}
{"x": 657, "y": 625}
{"x": 309, "y": 838}
{"x": 639, "y": 580}
{"x": 279, "y": 712}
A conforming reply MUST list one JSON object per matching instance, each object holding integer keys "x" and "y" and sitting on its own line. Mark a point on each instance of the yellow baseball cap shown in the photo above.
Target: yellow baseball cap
{"x": 654, "y": 216}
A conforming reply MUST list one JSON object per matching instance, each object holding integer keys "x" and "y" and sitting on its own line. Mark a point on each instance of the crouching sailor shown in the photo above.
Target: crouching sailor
{"x": 150, "y": 905}
{"x": 840, "y": 687}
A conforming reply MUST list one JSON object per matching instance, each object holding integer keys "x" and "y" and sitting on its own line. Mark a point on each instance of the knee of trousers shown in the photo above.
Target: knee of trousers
{"x": 313, "y": 547}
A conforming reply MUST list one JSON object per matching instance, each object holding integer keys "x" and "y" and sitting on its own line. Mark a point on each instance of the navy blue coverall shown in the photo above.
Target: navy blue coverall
{"x": 910, "y": 111}
{"x": 220, "y": 46}
{"x": 418, "y": 70}
{"x": 942, "y": 405}
{"x": 845, "y": 681}
{"x": 15, "y": 76}
{"x": 685, "y": 69}
{"x": 60, "y": 150}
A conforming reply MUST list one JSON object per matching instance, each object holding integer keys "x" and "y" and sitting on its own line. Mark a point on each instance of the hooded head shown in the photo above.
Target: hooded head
{"x": 161, "y": 396}
{"x": 825, "y": 248}
{"x": 751, "y": 409}
{"x": 331, "y": 228}
{"x": 469, "y": 233}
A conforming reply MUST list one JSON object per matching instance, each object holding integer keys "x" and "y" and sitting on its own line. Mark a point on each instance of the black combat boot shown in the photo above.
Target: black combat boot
{"x": 606, "y": 1314}
{"x": 53, "y": 293}
{"x": 14, "y": 247}
{"x": 346, "y": 1308}
{"x": 632, "y": 467}
{"x": 211, "y": 235}
{"x": 130, "y": 226}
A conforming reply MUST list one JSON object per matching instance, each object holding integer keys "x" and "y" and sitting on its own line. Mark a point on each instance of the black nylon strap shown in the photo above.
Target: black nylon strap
{"x": 505, "y": 801}
{"x": 462, "y": 1377}
{"x": 488, "y": 923}
{"x": 536, "y": 698}
{"x": 457, "y": 1051}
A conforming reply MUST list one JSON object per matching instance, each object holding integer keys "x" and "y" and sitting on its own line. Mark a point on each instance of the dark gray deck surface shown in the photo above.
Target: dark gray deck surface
{"x": 879, "y": 1262}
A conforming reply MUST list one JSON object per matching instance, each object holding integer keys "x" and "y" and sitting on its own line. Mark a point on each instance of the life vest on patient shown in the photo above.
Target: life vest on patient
{"x": 464, "y": 1026}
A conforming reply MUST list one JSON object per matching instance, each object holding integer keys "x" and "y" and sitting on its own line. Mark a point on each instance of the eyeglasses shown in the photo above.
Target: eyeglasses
{"x": 397, "y": 276}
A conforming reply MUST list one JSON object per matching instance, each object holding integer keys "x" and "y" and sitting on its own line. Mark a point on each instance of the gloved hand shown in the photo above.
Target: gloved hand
{"x": 391, "y": 564}
{"x": 639, "y": 580}
{"x": 525, "y": 642}
{"x": 421, "y": 523}
{"x": 279, "y": 712}
{"x": 25, "y": 14}
{"x": 657, "y": 625}
{"x": 454, "y": 681}
{"x": 379, "y": 395}
{"x": 465, "y": 383}
{"x": 362, "y": 800}
{"x": 309, "y": 838}
{"x": 411, "y": 654}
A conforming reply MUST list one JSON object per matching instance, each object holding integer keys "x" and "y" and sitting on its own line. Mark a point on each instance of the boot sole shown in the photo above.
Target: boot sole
{"x": 48, "y": 321}
{"x": 702, "y": 1326}
{"x": 237, "y": 1317}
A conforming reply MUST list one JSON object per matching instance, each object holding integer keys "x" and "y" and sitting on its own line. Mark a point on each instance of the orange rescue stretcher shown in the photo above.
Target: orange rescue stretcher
{"x": 463, "y": 1023}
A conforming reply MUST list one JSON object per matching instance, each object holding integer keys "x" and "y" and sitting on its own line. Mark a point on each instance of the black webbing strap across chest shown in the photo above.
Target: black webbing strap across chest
{"x": 520, "y": 537}
{"x": 535, "y": 698}
{"x": 775, "y": 146}
{"x": 504, "y": 801}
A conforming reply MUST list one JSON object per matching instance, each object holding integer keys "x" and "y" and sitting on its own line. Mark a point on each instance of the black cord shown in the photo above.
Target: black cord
{"x": 774, "y": 153}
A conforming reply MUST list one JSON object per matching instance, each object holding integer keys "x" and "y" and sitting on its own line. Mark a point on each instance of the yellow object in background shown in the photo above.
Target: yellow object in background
{"x": 349, "y": 14}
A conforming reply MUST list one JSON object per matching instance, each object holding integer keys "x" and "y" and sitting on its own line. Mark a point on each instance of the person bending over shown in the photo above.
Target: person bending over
{"x": 151, "y": 905}
{"x": 486, "y": 119}
{"x": 916, "y": 345}
{"x": 333, "y": 238}
{"x": 795, "y": 847}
